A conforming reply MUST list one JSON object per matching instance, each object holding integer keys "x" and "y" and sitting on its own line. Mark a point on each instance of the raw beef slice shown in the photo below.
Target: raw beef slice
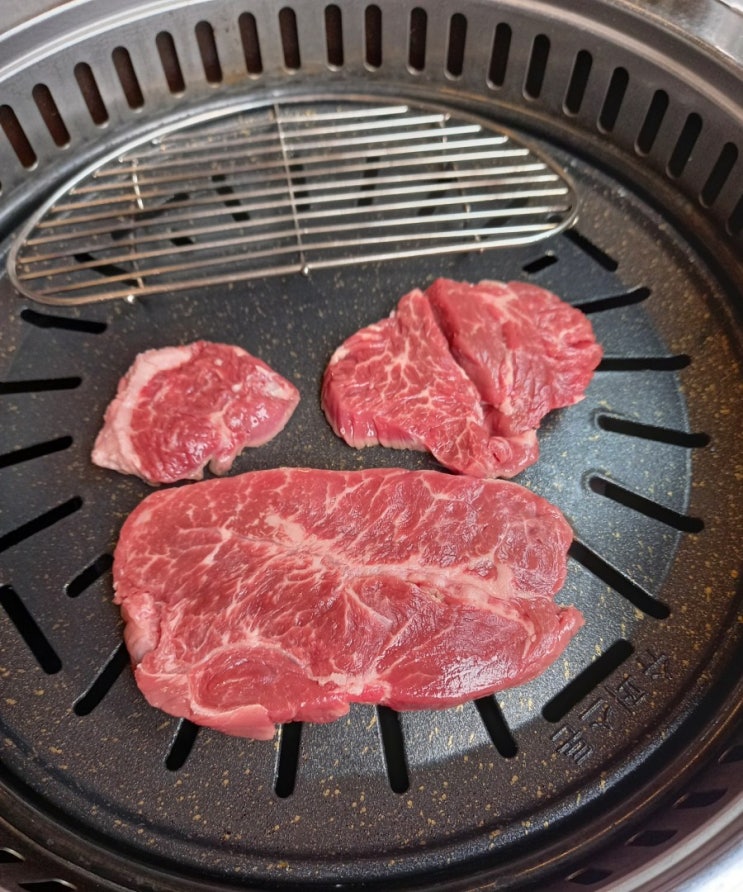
{"x": 464, "y": 371}
{"x": 396, "y": 383}
{"x": 288, "y": 594}
{"x": 526, "y": 351}
{"x": 178, "y": 409}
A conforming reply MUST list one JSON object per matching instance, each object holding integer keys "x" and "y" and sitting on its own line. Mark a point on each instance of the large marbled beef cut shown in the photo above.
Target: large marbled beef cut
{"x": 288, "y": 594}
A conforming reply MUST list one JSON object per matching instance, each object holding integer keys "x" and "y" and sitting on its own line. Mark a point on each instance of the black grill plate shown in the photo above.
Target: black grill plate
{"x": 646, "y": 468}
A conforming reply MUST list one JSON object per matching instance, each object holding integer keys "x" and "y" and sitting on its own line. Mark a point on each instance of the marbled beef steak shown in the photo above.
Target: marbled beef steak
{"x": 466, "y": 372}
{"x": 178, "y": 409}
{"x": 290, "y": 593}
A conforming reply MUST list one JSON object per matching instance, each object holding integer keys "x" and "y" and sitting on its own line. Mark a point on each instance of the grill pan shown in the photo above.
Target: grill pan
{"x": 609, "y": 769}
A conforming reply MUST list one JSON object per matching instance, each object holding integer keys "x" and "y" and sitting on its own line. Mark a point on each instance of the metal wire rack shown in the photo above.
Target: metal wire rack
{"x": 285, "y": 188}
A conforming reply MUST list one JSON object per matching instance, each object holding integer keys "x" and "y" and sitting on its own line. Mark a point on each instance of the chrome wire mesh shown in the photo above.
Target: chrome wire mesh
{"x": 286, "y": 188}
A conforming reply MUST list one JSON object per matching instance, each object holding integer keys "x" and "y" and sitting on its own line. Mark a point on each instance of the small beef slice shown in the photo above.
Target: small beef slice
{"x": 178, "y": 409}
{"x": 288, "y": 594}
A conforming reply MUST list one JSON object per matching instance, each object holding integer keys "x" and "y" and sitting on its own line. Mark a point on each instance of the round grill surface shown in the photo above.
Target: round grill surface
{"x": 498, "y": 792}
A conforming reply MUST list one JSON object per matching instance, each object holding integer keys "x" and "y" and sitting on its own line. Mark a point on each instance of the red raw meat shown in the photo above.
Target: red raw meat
{"x": 464, "y": 371}
{"x": 396, "y": 383}
{"x": 178, "y": 409}
{"x": 527, "y": 351}
{"x": 288, "y": 594}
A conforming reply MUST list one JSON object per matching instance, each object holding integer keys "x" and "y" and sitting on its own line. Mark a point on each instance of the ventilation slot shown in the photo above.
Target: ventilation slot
{"x": 209, "y": 55}
{"x": 615, "y": 301}
{"x": 38, "y": 385}
{"x": 10, "y": 856}
{"x": 128, "y": 77}
{"x": 700, "y": 798}
{"x": 652, "y": 123}
{"x": 735, "y": 221}
{"x": 40, "y": 523}
{"x": 104, "y": 681}
{"x": 644, "y": 363}
{"x": 64, "y": 323}
{"x": 38, "y": 450}
{"x": 170, "y": 62}
{"x": 29, "y": 630}
{"x": 369, "y": 185}
{"x": 90, "y": 93}
{"x": 250, "y": 43}
{"x": 540, "y": 263}
{"x": 457, "y": 41}
{"x": 499, "y": 55}
{"x": 652, "y": 838}
{"x": 373, "y": 36}
{"x": 298, "y": 180}
{"x": 417, "y": 44}
{"x": 537, "y": 66}
{"x": 288, "y": 759}
{"x": 334, "y": 36}
{"x": 622, "y": 496}
{"x": 289, "y": 38}
{"x": 718, "y": 177}
{"x": 617, "y": 580}
{"x": 589, "y": 876}
{"x": 180, "y": 748}
{"x": 613, "y": 100}
{"x": 50, "y": 115}
{"x": 393, "y": 747}
{"x": 86, "y": 260}
{"x": 89, "y": 575}
{"x": 578, "y": 82}
{"x": 673, "y": 437}
{"x": 496, "y": 726}
{"x": 225, "y": 190}
{"x": 732, "y": 754}
{"x": 685, "y": 145}
{"x": 17, "y": 137}
{"x": 592, "y": 250}
{"x": 587, "y": 680}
